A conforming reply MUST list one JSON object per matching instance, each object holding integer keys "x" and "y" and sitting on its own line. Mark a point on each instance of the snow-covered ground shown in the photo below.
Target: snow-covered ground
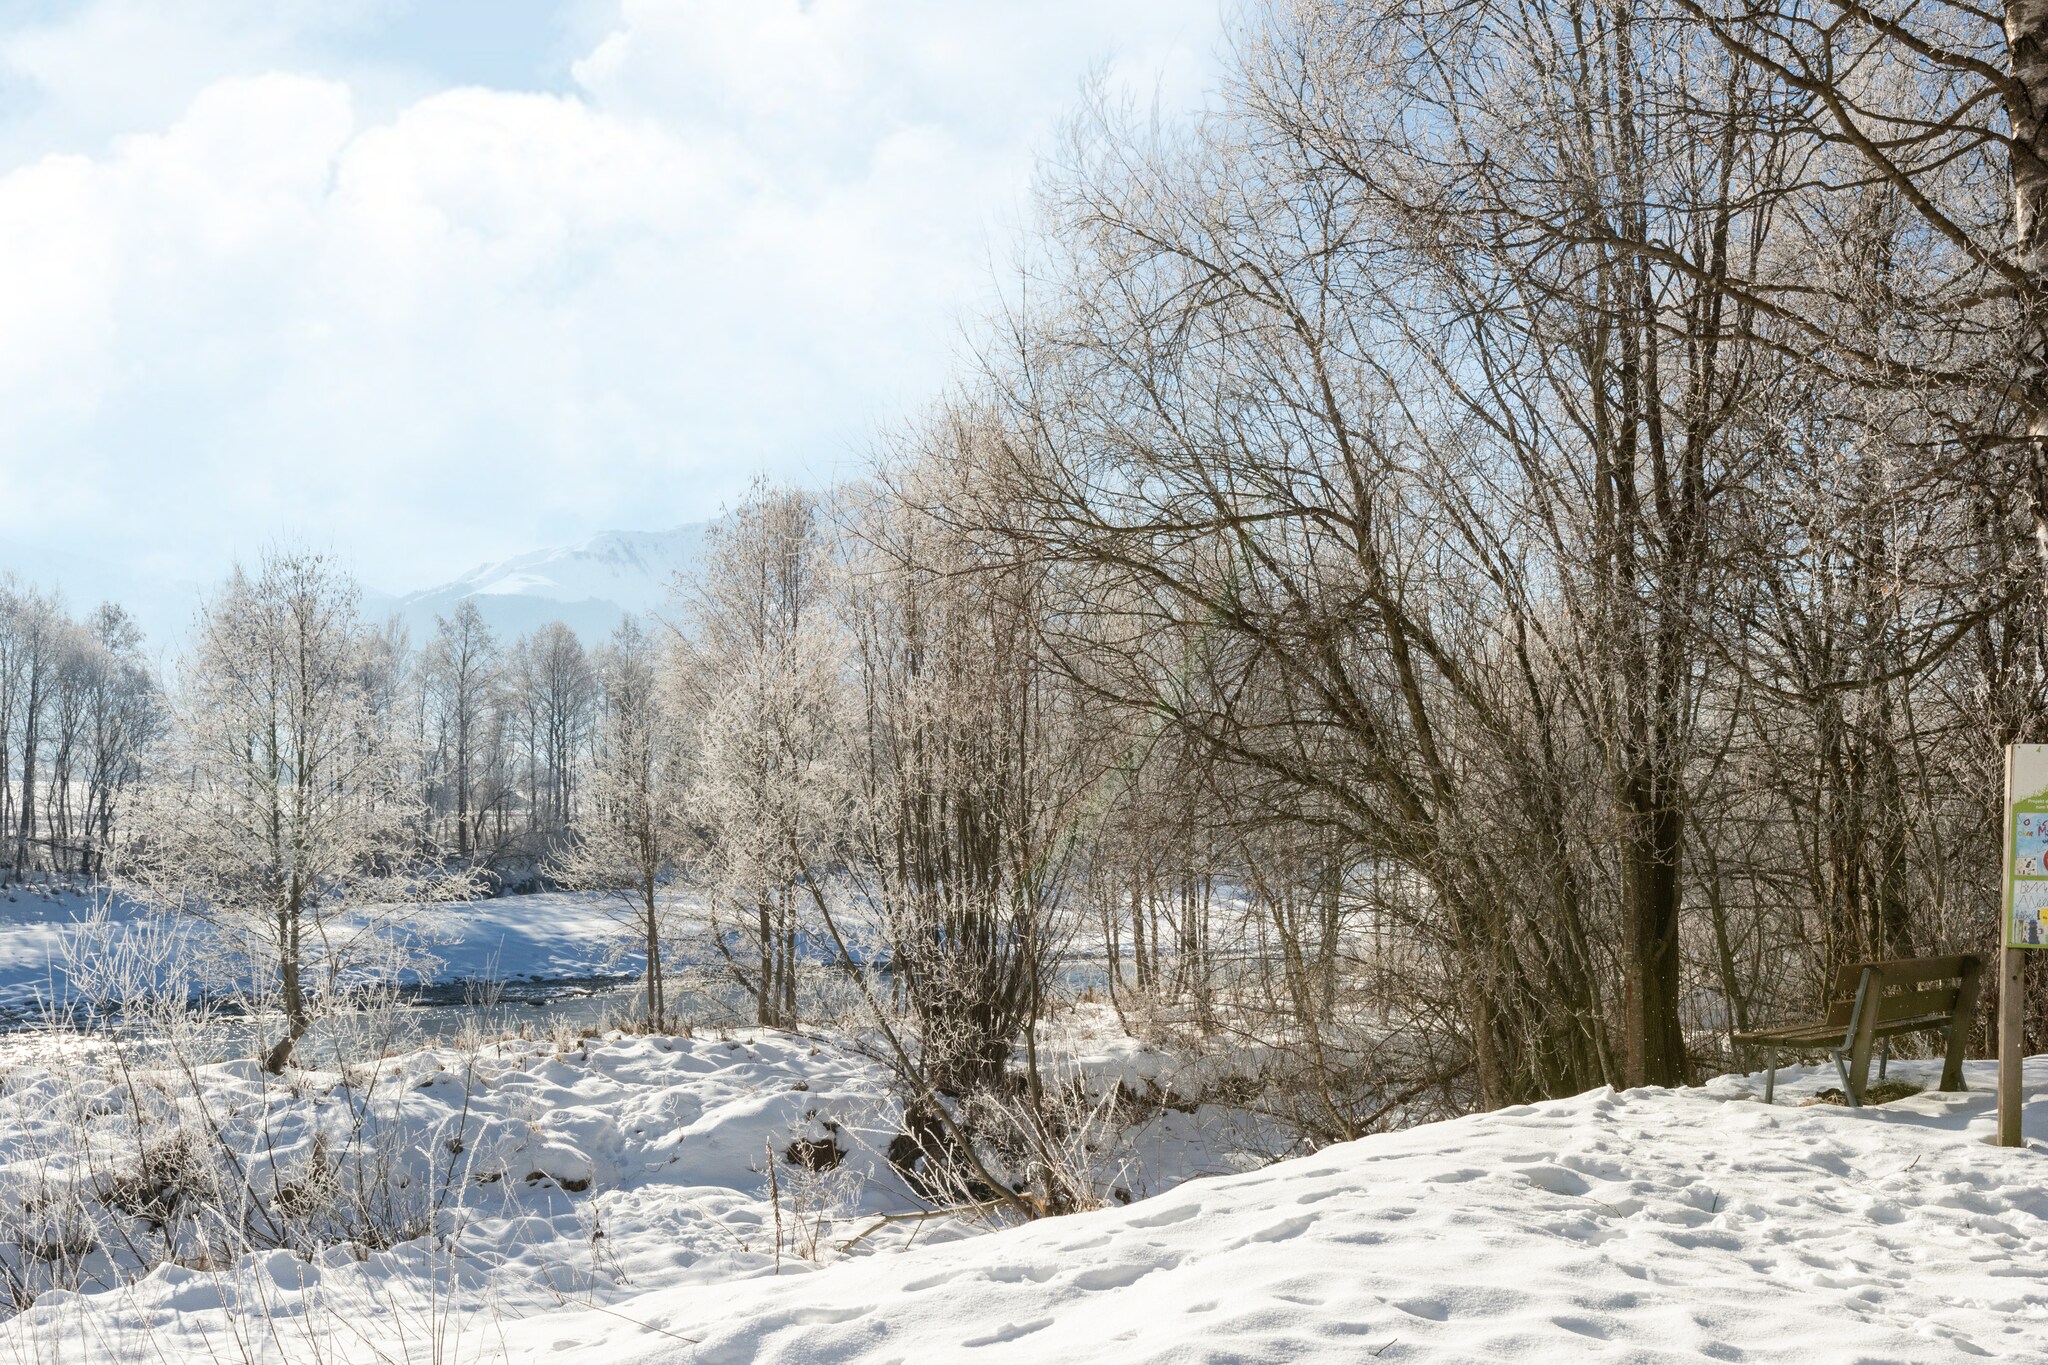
{"x": 528, "y": 1174}
{"x": 609, "y": 1201}
{"x": 1641, "y": 1226}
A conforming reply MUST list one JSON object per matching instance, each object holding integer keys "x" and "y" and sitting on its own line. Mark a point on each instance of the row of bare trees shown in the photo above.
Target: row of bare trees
{"x": 1501, "y": 554}
{"x": 1550, "y": 498}
{"x": 504, "y": 729}
{"x": 501, "y": 731}
{"x": 77, "y": 705}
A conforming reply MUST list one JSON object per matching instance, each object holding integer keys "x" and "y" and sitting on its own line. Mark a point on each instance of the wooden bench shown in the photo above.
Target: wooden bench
{"x": 1874, "y": 1002}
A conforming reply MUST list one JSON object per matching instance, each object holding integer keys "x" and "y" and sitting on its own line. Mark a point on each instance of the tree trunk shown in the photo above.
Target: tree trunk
{"x": 1654, "y": 1042}
{"x": 764, "y": 992}
{"x": 25, "y": 814}
{"x": 2026, "y": 34}
{"x": 656, "y": 1005}
{"x": 297, "y": 1019}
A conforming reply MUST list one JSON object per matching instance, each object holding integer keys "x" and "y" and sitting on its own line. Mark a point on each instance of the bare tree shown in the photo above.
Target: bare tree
{"x": 762, "y": 665}
{"x": 630, "y": 839}
{"x": 277, "y": 810}
{"x": 969, "y": 766}
{"x": 123, "y": 717}
{"x": 29, "y": 630}
{"x": 458, "y": 672}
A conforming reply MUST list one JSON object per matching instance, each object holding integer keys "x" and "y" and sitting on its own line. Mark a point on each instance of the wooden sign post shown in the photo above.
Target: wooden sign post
{"x": 2024, "y": 919}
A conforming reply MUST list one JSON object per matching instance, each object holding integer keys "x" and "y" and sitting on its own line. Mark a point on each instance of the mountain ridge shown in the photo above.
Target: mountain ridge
{"x": 590, "y": 586}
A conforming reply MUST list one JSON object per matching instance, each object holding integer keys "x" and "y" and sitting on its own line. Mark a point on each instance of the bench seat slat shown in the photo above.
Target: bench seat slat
{"x": 1917, "y": 1024}
{"x": 1793, "y": 1033}
{"x": 1916, "y": 1004}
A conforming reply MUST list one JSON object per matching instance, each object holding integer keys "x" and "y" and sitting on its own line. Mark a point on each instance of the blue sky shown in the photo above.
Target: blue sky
{"x": 431, "y": 282}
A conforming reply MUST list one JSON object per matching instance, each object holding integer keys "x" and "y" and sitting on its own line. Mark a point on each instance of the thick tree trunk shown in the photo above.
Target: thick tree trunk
{"x": 1654, "y": 1047}
{"x": 788, "y": 965}
{"x": 2026, "y": 33}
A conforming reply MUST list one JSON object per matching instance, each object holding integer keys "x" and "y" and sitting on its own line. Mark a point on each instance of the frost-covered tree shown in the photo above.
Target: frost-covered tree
{"x": 630, "y": 838}
{"x": 458, "y": 673}
{"x": 30, "y": 623}
{"x": 763, "y": 669}
{"x": 76, "y": 704}
{"x": 277, "y": 810}
{"x": 123, "y": 713}
{"x": 969, "y": 766}
{"x": 551, "y": 690}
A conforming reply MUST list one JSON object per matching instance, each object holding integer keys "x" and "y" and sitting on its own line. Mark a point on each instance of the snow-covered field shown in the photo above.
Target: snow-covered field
{"x": 530, "y": 1176}
{"x": 610, "y": 1201}
{"x": 1641, "y": 1226}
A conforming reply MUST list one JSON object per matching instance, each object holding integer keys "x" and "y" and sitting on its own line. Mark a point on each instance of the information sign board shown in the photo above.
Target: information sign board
{"x": 2026, "y": 847}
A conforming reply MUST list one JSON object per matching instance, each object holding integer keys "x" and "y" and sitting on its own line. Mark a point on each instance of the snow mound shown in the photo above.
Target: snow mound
{"x": 1647, "y": 1225}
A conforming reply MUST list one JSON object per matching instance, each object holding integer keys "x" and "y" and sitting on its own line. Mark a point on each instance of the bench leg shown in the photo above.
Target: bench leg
{"x": 1958, "y": 1038}
{"x": 1770, "y": 1073}
{"x": 1884, "y": 1057}
{"x": 1842, "y": 1070}
{"x": 1961, "y": 1023}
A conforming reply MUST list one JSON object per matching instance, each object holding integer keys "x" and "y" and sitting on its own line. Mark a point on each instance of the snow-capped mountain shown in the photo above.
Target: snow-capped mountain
{"x": 589, "y": 586}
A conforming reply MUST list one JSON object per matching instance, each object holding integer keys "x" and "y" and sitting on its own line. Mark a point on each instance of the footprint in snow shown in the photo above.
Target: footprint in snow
{"x": 1179, "y": 1213}
{"x": 1009, "y": 1332}
{"x": 1285, "y": 1230}
{"x": 1584, "y": 1327}
{"x": 931, "y": 1281}
{"x": 1115, "y": 1276}
{"x": 1430, "y": 1310}
{"x": 1556, "y": 1180}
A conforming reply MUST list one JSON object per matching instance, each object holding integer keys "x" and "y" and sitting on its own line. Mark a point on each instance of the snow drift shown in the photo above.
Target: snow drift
{"x": 1648, "y": 1225}
{"x": 623, "y": 1216}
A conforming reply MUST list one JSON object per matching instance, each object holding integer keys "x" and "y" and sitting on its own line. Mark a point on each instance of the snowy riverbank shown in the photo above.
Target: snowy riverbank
{"x": 463, "y": 1191}
{"x": 613, "y": 1204}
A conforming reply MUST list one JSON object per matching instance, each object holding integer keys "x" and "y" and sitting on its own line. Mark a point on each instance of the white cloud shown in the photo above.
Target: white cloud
{"x": 446, "y": 327}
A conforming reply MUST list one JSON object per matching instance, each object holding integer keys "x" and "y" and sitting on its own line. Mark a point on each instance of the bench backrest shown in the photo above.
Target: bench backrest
{"x": 1906, "y": 988}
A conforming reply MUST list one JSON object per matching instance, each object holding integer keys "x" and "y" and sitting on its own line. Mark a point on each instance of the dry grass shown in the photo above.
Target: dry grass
{"x": 1884, "y": 1092}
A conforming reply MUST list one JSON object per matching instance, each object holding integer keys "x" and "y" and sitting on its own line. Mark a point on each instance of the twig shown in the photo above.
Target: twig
{"x": 918, "y": 1216}
{"x": 774, "y": 1201}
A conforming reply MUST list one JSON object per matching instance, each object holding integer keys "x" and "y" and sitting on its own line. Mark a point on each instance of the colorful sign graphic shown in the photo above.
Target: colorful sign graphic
{"x": 2026, "y": 847}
